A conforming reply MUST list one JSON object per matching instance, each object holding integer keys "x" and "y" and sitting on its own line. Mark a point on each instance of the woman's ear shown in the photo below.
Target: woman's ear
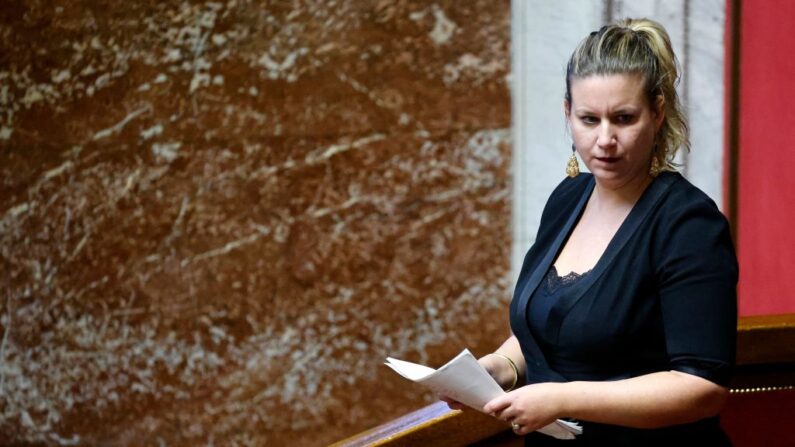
{"x": 659, "y": 112}
{"x": 567, "y": 108}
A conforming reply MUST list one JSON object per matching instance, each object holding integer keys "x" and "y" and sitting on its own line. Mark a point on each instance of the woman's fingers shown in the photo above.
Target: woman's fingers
{"x": 508, "y": 408}
{"x": 520, "y": 429}
{"x": 497, "y": 405}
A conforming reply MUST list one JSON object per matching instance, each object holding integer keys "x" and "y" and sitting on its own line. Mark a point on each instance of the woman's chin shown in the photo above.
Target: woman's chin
{"x": 614, "y": 179}
{"x": 603, "y": 175}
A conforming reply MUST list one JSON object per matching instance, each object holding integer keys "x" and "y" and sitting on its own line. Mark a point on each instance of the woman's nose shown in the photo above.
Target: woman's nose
{"x": 607, "y": 135}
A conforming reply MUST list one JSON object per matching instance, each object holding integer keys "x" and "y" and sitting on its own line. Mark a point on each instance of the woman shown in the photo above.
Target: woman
{"x": 624, "y": 313}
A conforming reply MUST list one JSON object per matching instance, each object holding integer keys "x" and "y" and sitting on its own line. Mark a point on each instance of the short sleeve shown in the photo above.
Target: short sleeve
{"x": 698, "y": 281}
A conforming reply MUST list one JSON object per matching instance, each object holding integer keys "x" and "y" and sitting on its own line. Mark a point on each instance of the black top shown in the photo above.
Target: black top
{"x": 662, "y": 297}
{"x": 553, "y": 289}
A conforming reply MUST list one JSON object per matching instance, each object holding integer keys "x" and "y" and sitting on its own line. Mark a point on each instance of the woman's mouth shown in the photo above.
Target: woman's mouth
{"x": 607, "y": 159}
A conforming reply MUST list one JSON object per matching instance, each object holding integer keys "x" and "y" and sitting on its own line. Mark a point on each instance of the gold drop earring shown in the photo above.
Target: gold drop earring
{"x": 656, "y": 167}
{"x": 573, "y": 168}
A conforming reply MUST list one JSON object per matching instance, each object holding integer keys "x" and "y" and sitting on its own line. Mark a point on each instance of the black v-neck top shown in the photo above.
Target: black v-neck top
{"x": 662, "y": 296}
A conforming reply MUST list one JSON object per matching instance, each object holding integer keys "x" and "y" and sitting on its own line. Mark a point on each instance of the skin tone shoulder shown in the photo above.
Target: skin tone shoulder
{"x": 613, "y": 125}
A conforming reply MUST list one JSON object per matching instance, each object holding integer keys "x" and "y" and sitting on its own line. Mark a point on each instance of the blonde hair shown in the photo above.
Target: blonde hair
{"x": 639, "y": 46}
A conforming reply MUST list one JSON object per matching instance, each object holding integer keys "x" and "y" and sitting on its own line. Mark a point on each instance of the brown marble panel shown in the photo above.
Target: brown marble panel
{"x": 217, "y": 218}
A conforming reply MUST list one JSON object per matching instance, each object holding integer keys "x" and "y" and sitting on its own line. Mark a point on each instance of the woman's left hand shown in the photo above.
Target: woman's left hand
{"x": 528, "y": 408}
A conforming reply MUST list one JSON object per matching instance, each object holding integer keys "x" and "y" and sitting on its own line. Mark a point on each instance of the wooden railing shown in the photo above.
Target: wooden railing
{"x": 765, "y": 363}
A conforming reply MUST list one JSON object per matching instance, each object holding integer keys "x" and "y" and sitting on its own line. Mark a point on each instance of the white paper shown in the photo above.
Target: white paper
{"x": 464, "y": 380}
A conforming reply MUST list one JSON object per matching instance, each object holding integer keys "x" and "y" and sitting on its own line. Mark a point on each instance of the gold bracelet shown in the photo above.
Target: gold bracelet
{"x": 513, "y": 367}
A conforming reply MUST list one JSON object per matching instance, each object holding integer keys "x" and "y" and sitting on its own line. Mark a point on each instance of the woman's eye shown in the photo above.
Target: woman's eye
{"x": 624, "y": 119}
{"x": 589, "y": 119}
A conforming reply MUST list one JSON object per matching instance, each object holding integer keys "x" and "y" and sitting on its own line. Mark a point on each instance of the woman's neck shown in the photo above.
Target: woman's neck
{"x": 622, "y": 197}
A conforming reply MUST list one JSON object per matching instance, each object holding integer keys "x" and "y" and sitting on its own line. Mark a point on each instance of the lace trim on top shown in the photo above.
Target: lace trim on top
{"x": 554, "y": 281}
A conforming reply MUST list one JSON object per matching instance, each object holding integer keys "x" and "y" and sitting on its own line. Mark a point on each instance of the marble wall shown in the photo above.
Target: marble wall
{"x": 217, "y": 218}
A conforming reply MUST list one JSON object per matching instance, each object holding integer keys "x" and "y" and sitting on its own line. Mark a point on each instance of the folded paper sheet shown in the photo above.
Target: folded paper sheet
{"x": 464, "y": 380}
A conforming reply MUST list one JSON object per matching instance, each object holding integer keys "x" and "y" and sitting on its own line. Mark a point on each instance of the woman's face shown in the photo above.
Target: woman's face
{"x": 613, "y": 127}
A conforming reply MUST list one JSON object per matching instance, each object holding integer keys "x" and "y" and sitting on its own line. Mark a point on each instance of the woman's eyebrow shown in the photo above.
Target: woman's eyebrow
{"x": 624, "y": 110}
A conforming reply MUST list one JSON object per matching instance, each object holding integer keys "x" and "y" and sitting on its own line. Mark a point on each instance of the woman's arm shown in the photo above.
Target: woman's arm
{"x": 696, "y": 272}
{"x": 650, "y": 401}
{"x": 499, "y": 368}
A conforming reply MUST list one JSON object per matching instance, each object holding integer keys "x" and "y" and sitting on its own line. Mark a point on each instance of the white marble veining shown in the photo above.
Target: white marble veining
{"x": 217, "y": 218}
